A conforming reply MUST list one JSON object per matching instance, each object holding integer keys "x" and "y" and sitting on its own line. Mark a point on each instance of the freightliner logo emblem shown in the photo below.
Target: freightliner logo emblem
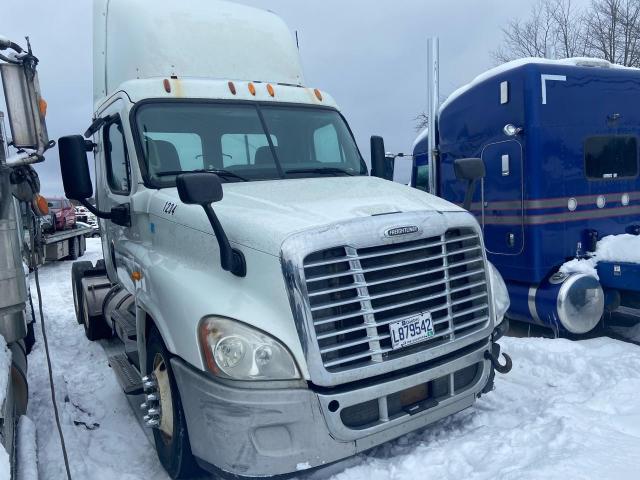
{"x": 398, "y": 231}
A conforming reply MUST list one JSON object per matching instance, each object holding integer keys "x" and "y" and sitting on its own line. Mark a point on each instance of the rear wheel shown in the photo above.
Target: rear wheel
{"x": 95, "y": 328}
{"x": 170, "y": 435}
{"x": 74, "y": 248}
{"x": 78, "y": 270}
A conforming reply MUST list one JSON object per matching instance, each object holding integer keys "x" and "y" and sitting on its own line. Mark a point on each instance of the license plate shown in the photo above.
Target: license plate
{"x": 411, "y": 330}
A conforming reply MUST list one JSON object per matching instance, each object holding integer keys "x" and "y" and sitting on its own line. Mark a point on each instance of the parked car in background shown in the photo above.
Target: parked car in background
{"x": 63, "y": 213}
{"x": 82, "y": 214}
{"x": 95, "y": 229}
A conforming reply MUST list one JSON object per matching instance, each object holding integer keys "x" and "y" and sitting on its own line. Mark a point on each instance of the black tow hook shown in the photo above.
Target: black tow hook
{"x": 494, "y": 356}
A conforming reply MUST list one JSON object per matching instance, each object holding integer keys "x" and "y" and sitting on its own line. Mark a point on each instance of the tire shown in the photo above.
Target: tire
{"x": 174, "y": 451}
{"x": 82, "y": 246}
{"x": 95, "y": 328}
{"x": 78, "y": 270}
{"x": 74, "y": 248}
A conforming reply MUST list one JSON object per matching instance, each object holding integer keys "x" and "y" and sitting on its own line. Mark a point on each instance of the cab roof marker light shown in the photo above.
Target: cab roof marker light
{"x": 252, "y": 89}
{"x": 318, "y": 94}
{"x": 232, "y": 88}
{"x": 271, "y": 90}
{"x": 167, "y": 85}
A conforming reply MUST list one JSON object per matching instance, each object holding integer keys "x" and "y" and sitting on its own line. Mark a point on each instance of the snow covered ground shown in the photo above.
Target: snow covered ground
{"x": 568, "y": 410}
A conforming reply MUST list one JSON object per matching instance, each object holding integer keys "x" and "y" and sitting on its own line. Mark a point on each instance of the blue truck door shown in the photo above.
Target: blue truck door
{"x": 502, "y": 198}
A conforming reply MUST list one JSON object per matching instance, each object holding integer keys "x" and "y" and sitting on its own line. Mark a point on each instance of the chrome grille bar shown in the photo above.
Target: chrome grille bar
{"x": 443, "y": 275}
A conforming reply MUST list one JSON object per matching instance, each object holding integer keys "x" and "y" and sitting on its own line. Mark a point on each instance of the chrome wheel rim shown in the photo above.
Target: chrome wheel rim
{"x": 165, "y": 399}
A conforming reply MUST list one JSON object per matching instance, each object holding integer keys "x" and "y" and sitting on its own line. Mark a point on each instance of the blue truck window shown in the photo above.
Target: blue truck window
{"x": 611, "y": 156}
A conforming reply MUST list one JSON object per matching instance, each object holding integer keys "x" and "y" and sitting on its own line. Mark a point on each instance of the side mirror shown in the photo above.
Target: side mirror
{"x": 204, "y": 189}
{"x": 470, "y": 169}
{"x": 381, "y": 166}
{"x": 75, "y": 167}
{"x": 24, "y": 105}
{"x": 76, "y": 178}
{"x": 199, "y": 188}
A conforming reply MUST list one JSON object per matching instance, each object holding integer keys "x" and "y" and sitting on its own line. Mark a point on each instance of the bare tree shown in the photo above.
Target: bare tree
{"x": 422, "y": 121}
{"x": 608, "y": 29}
{"x": 613, "y": 31}
{"x": 534, "y": 37}
{"x": 569, "y": 26}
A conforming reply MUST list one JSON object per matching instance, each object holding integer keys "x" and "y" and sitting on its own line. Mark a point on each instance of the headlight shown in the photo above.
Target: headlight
{"x": 501, "y": 302}
{"x": 237, "y": 351}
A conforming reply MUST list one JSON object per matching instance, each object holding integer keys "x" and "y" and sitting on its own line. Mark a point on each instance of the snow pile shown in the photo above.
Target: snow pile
{"x": 103, "y": 437}
{"x": 27, "y": 450}
{"x": 614, "y": 248}
{"x": 567, "y": 410}
{"x": 5, "y": 366}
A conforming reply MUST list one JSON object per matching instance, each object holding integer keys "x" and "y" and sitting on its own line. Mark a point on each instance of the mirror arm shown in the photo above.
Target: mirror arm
{"x": 119, "y": 215}
{"x": 468, "y": 196}
{"x": 232, "y": 260}
{"x": 94, "y": 210}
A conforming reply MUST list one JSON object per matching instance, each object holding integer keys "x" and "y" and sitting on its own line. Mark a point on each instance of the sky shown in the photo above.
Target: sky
{"x": 371, "y": 57}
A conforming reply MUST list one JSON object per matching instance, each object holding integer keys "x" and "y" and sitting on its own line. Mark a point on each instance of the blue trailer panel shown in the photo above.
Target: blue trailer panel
{"x": 563, "y": 174}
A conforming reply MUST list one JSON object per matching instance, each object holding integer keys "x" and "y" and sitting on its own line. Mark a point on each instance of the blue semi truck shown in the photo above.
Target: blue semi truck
{"x": 559, "y": 144}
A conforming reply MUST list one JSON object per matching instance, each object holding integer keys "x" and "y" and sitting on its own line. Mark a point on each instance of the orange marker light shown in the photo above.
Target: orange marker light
{"x": 318, "y": 94}
{"x": 252, "y": 89}
{"x": 167, "y": 85}
{"x": 136, "y": 276}
{"x": 232, "y": 88}
{"x": 40, "y": 205}
{"x": 42, "y": 106}
{"x": 271, "y": 90}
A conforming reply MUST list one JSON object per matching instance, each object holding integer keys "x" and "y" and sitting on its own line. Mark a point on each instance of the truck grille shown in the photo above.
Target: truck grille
{"x": 354, "y": 294}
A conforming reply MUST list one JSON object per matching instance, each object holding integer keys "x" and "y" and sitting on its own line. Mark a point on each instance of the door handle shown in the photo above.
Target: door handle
{"x": 505, "y": 165}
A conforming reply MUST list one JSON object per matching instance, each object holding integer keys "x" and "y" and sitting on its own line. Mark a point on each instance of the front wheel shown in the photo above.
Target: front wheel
{"x": 170, "y": 432}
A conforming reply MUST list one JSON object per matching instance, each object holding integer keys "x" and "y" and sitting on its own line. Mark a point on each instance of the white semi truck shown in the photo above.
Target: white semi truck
{"x": 315, "y": 312}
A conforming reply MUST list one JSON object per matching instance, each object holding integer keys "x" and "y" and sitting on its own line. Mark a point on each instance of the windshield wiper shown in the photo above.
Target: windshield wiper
{"x": 322, "y": 171}
{"x": 220, "y": 173}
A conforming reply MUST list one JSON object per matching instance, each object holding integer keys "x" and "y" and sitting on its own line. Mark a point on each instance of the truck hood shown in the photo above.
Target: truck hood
{"x": 261, "y": 215}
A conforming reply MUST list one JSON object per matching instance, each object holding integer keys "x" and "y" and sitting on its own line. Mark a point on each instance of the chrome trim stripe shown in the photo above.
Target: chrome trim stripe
{"x": 560, "y": 202}
{"x": 563, "y": 217}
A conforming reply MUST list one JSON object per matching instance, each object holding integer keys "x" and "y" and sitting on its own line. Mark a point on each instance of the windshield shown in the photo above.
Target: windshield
{"x": 244, "y": 142}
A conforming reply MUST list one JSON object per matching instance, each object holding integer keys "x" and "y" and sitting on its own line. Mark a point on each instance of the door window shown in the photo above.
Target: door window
{"x": 117, "y": 159}
{"x": 611, "y": 156}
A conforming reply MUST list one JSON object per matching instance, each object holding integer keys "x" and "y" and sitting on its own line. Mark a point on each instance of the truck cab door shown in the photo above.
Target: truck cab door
{"x": 502, "y": 198}
{"x": 113, "y": 178}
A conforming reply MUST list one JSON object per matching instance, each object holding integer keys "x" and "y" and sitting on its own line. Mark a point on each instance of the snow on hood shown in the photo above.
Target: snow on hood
{"x": 614, "y": 248}
{"x": 261, "y": 215}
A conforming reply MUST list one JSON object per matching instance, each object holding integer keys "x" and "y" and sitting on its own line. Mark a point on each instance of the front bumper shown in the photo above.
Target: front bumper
{"x": 269, "y": 432}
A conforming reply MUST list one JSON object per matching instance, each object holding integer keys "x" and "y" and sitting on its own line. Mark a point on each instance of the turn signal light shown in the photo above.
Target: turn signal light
{"x": 40, "y": 205}
{"x": 136, "y": 276}
{"x": 42, "y": 106}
